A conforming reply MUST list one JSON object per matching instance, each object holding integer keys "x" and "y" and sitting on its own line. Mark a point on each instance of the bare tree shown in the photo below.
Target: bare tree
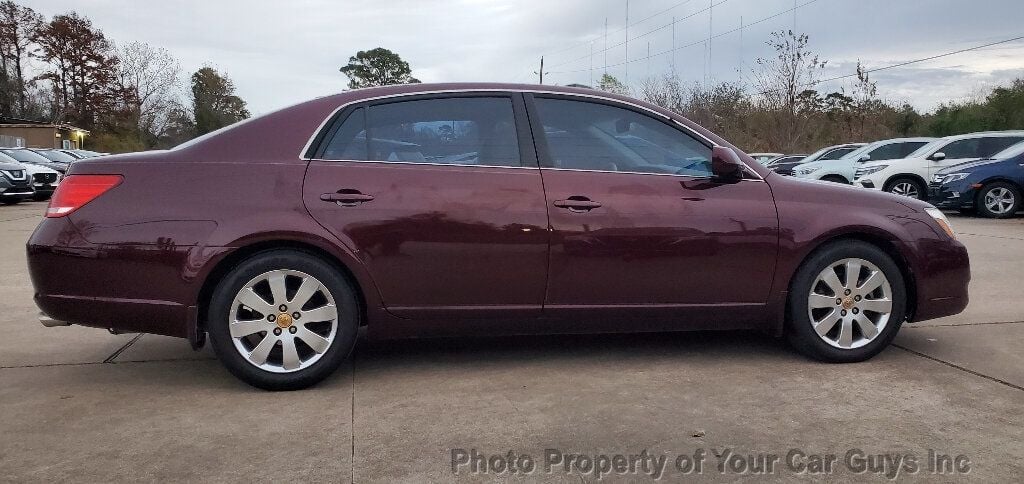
{"x": 18, "y": 29}
{"x": 782, "y": 80}
{"x": 149, "y": 76}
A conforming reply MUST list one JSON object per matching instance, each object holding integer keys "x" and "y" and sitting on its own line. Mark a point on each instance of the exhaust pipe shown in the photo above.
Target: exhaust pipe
{"x": 50, "y": 322}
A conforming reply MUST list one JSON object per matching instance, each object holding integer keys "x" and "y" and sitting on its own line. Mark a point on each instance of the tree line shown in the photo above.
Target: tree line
{"x": 128, "y": 96}
{"x": 779, "y": 110}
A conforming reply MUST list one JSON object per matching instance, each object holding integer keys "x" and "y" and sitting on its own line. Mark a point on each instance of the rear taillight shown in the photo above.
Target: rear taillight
{"x": 75, "y": 191}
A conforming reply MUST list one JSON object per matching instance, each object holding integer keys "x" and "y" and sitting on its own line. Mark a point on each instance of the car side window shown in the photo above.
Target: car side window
{"x": 995, "y": 144}
{"x": 965, "y": 148}
{"x": 910, "y": 147}
{"x": 890, "y": 151}
{"x": 349, "y": 141}
{"x": 586, "y": 135}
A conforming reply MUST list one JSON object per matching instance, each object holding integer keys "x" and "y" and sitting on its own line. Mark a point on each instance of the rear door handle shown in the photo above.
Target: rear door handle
{"x": 346, "y": 197}
{"x": 577, "y": 204}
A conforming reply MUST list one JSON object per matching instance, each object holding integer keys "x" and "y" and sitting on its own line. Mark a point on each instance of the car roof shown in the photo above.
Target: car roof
{"x": 984, "y": 134}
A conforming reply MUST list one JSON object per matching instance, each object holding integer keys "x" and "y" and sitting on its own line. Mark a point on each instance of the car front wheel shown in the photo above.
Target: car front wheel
{"x": 283, "y": 320}
{"x": 847, "y": 302}
{"x": 908, "y": 187}
{"x": 998, "y": 200}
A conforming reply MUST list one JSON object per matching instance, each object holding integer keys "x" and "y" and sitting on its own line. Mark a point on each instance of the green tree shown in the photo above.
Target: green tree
{"x": 377, "y": 67}
{"x": 214, "y": 103}
{"x": 609, "y": 83}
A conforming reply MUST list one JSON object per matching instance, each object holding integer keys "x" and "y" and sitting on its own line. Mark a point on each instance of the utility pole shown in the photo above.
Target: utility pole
{"x": 541, "y": 71}
{"x": 673, "y": 64}
{"x": 606, "y": 45}
{"x": 625, "y": 56}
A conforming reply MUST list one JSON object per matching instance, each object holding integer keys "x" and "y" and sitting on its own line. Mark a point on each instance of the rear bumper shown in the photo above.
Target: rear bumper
{"x": 121, "y": 287}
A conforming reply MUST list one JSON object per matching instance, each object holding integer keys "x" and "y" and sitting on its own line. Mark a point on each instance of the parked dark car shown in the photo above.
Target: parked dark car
{"x": 15, "y": 183}
{"x": 422, "y": 210}
{"x": 783, "y": 165}
{"x": 26, "y": 155}
{"x": 56, "y": 156}
{"x": 991, "y": 186}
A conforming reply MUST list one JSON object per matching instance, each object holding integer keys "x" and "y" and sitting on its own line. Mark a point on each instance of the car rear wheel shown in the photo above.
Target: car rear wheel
{"x": 835, "y": 179}
{"x": 998, "y": 200}
{"x": 908, "y": 187}
{"x": 283, "y": 320}
{"x": 846, "y": 304}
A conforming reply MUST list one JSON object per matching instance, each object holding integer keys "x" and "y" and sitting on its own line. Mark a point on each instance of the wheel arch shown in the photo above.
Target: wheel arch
{"x": 236, "y": 256}
{"x": 883, "y": 243}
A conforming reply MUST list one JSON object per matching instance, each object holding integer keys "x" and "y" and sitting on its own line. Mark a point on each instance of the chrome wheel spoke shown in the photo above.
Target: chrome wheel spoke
{"x": 846, "y": 334}
{"x": 245, "y": 328}
{"x": 308, "y": 288}
{"x": 289, "y": 354}
{"x": 818, "y": 301}
{"x": 867, "y": 328}
{"x": 250, "y": 299}
{"x": 277, "y": 288}
{"x": 831, "y": 280}
{"x": 316, "y": 342}
{"x": 323, "y": 313}
{"x": 826, "y": 325}
{"x": 260, "y": 353}
{"x": 871, "y": 283}
{"x": 852, "y": 274}
{"x": 875, "y": 305}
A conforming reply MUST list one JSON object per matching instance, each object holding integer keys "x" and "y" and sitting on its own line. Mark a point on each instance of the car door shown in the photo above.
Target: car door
{"x": 442, "y": 200}
{"x": 638, "y": 222}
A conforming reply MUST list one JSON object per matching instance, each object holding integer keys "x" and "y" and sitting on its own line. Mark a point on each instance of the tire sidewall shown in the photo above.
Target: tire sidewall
{"x": 218, "y": 316}
{"x": 800, "y": 331}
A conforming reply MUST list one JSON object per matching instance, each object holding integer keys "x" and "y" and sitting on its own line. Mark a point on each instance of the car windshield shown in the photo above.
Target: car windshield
{"x": 1010, "y": 152}
{"x": 855, "y": 154}
{"x": 5, "y": 158}
{"x": 55, "y": 155}
{"x": 836, "y": 153}
{"x": 26, "y": 156}
{"x": 928, "y": 148}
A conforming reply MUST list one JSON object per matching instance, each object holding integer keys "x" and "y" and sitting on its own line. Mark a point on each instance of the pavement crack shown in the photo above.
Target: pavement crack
{"x": 958, "y": 367}
{"x": 110, "y": 359}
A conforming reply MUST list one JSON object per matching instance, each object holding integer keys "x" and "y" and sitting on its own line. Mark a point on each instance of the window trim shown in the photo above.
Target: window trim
{"x": 317, "y": 144}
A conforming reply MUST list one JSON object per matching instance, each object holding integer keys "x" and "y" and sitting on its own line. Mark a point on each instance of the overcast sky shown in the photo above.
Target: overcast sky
{"x": 282, "y": 52}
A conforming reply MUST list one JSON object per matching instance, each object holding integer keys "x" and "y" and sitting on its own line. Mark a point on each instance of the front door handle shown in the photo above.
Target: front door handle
{"x": 577, "y": 204}
{"x": 346, "y": 197}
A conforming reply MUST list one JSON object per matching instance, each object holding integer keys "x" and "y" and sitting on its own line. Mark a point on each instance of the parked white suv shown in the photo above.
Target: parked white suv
{"x": 842, "y": 170}
{"x": 908, "y": 176}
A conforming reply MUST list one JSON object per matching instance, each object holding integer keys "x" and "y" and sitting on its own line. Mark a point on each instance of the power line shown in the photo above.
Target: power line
{"x": 649, "y": 32}
{"x": 905, "y": 63}
{"x": 699, "y": 42}
{"x": 620, "y": 29}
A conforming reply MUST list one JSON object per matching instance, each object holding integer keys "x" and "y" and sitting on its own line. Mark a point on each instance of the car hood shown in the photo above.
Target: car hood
{"x": 11, "y": 166}
{"x": 33, "y": 168}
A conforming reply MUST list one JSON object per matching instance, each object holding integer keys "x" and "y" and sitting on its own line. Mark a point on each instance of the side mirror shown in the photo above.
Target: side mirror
{"x": 864, "y": 158}
{"x": 726, "y": 164}
{"x": 938, "y": 156}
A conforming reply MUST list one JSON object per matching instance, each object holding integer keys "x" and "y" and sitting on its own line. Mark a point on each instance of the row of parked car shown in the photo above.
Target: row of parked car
{"x": 979, "y": 173}
{"x": 34, "y": 172}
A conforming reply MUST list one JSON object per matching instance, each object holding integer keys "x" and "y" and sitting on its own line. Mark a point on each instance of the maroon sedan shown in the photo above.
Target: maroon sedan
{"x": 486, "y": 208}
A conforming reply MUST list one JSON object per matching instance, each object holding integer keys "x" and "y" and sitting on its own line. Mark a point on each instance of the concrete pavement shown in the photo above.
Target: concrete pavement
{"x": 81, "y": 404}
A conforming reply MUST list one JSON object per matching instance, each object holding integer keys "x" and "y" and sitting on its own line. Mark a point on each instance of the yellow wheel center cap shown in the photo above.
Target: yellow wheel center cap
{"x": 284, "y": 320}
{"x": 847, "y": 302}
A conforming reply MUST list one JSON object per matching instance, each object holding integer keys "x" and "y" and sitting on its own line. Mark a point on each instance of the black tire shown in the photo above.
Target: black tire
{"x": 983, "y": 209}
{"x": 800, "y": 331}
{"x": 967, "y": 211}
{"x": 835, "y": 179}
{"x": 41, "y": 198}
{"x": 330, "y": 277}
{"x": 922, "y": 190}
{"x": 10, "y": 201}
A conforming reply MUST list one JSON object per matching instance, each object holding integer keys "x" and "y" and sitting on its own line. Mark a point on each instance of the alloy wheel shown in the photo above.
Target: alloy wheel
{"x": 905, "y": 188}
{"x": 999, "y": 200}
{"x": 283, "y": 321}
{"x": 850, "y": 303}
